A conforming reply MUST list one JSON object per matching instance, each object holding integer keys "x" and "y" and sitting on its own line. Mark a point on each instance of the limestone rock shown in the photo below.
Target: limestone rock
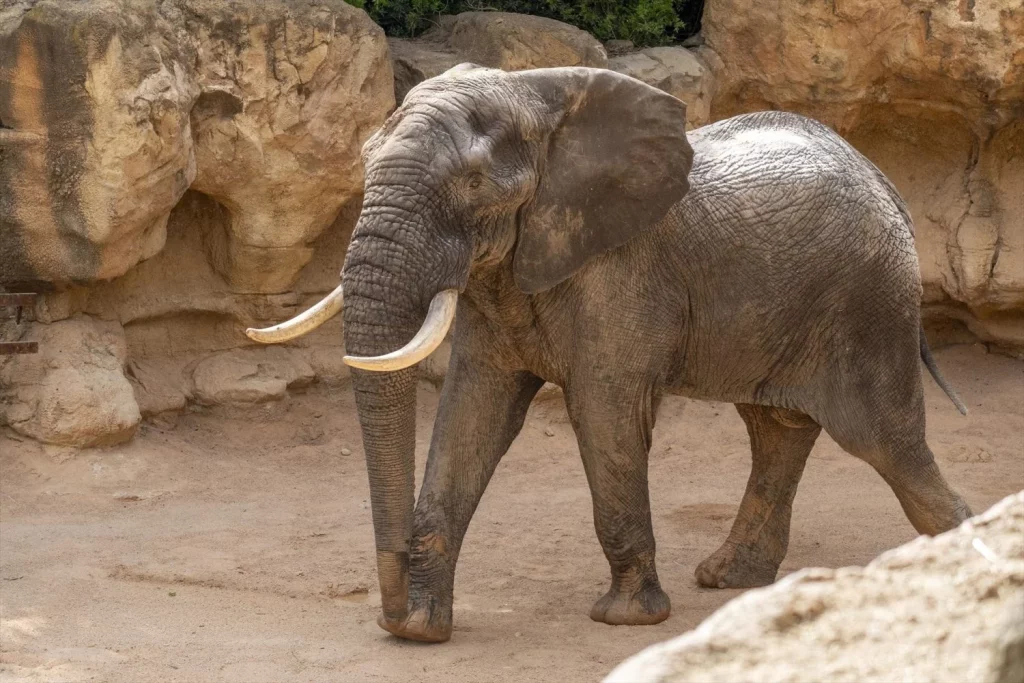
{"x": 498, "y": 40}
{"x": 158, "y": 386}
{"x": 111, "y": 109}
{"x": 95, "y": 140}
{"x": 250, "y": 376}
{"x": 948, "y": 608}
{"x": 414, "y": 61}
{"x": 970, "y": 56}
{"x": 677, "y": 71}
{"x": 933, "y": 93}
{"x": 74, "y": 391}
{"x": 518, "y": 41}
{"x": 289, "y": 92}
{"x": 616, "y": 48}
{"x": 327, "y": 363}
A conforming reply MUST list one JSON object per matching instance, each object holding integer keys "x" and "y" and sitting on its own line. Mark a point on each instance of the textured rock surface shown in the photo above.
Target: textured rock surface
{"x": 159, "y": 386}
{"x": 414, "y": 61}
{"x": 495, "y": 39}
{"x": 74, "y": 391}
{"x": 249, "y": 376}
{"x": 517, "y": 41}
{"x": 204, "y": 155}
{"x": 95, "y": 141}
{"x": 936, "y": 609}
{"x": 934, "y": 94}
{"x": 289, "y": 92}
{"x": 677, "y": 71}
{"x": 111, "y": 109}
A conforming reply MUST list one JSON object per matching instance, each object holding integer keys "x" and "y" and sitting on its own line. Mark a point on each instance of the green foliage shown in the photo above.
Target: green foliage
{"x": 409, "y": 17}
{"x": 645, "y": 22}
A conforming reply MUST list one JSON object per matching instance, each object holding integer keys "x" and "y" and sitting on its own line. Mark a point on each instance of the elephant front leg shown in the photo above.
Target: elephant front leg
{"x": 481, "y": 411}
{"x": 780, "y": 441}
{"x": 613, "y": 426}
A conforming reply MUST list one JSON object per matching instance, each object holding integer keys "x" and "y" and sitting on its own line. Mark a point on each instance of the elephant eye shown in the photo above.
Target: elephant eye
{"x": 475, "y": 181}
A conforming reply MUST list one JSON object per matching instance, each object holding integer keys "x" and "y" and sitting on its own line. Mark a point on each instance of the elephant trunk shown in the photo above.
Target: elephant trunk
{"x": 388, "y": 286}
{"x": 387, "y": 414}
{"x": 376, "y": 322}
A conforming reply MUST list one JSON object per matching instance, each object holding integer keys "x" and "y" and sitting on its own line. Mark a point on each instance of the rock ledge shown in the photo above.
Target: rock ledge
{"x": 947, "y": 608}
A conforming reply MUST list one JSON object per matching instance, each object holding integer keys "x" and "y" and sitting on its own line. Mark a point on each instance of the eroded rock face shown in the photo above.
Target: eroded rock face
{"x": 933, "y": 93}
{"x": 498, "y": 40}
{"x": 174, "y": 165}
{"x": 517, "y": 41}
{"x": 943, "y": 608}
{"x": 289, "y": 92}
{"x": 95, "y": 141}
{"x": 677, "y": 71}
{"x": 74, "y": 391}
{"x": 414, "y": 61}
{"x": 111, "y": 109}
{"x": 247, "y": 376}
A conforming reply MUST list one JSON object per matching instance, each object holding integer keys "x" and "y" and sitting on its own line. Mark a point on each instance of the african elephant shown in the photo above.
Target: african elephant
{"x": 585, "y": 240}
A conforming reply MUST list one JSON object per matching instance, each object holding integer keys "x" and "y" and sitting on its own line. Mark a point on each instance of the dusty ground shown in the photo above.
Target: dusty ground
{"x": 239, "y": 547}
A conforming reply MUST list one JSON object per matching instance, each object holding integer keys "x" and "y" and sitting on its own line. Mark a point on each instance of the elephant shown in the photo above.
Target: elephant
{"x": 578, "y": 235}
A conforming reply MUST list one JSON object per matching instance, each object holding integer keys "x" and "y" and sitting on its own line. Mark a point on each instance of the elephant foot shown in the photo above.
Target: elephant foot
{"x": 422, "y": 624}
{"x": 736, "y": 566}
{"x": 618, "y": 608}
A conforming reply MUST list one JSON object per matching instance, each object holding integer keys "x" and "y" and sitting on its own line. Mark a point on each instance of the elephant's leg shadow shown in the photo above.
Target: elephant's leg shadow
{"x": 780, "y": 442}
{"x": 613, "y": 425}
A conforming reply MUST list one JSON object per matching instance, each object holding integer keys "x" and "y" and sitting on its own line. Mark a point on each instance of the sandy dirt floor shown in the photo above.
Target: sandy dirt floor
{"x": 239, "y": 547}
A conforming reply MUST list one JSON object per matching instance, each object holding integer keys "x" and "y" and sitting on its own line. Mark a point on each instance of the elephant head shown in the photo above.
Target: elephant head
{"x": 538, "y": 171}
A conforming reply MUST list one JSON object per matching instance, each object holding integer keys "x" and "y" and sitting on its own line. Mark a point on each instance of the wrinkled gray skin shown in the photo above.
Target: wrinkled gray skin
{"x": 782, "y": 278}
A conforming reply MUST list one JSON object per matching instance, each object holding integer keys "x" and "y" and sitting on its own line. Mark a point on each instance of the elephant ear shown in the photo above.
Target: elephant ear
{"x": 616, "y": 160}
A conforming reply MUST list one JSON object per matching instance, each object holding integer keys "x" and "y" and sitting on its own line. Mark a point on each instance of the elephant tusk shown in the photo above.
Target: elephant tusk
{"x": 431, "y": 334}
{"x": 303, "y": 323}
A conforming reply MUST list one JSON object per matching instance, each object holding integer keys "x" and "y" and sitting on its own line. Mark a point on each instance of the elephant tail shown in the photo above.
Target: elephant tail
{"x": 929, "y": 362}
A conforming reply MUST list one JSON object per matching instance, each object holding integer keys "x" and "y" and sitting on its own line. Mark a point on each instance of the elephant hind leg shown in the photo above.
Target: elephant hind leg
{"x": 780, "y": 442}
{"x": 889, "y": 435}
{"x": 930, "y": 504}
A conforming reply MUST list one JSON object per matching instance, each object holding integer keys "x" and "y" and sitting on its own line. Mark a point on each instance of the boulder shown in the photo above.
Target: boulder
{"x": 933, "y": 93}
{"x": 677, "y": 71}
{"x": 158, "y": 385}
{"x": 616, "y": 48}
{"x": 95, "y": 141}
{"x": 518, "y": 41}
{"x": 171, "y": 165}
{"x": 414, "y": 61}
{"x": 74, "y": 391}
{"x": 111, "y": 109}
{"x": 836, "y": 57}
{"x": 245, "y": 376}
{"x": 948, "y": 608}
{"x": 289, "y": 91}
{"x": 498, "y": 40}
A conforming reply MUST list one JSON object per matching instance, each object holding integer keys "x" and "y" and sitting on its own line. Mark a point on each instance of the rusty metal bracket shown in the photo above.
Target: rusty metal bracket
{"x": 17, "y": 301}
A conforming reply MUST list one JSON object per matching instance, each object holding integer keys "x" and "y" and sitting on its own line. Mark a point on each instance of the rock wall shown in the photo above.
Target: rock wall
{"x": 948, "y": 608}
{"x": 167, "y": 171}
{"x": 112, "y": 109}
{"x": 933, "y": 93}
{"x": 172, "y": 171}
